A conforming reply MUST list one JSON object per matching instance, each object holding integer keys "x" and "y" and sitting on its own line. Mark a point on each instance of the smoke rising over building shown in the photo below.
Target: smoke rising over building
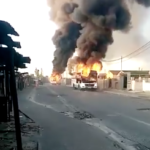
{"x": 87, "y": 25}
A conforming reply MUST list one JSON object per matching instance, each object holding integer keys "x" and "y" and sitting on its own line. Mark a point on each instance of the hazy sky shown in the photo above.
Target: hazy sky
{"x": 30, "y": 18}
{"x": 126, "y": 43}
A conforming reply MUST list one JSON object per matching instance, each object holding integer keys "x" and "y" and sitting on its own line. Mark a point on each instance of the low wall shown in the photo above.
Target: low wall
{"x": 146, "y": 86}
{"x": 137, "y": 85}
{"x": 66, "y": 81}
{"x": 114, "y": 84}
{"x": 103, "y": 84}
{"x": 140, "y": 86}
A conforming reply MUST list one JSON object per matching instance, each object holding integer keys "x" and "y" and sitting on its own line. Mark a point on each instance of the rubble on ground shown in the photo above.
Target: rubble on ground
{"x": 82, "y": 115}
{"x": 29, "y": 132}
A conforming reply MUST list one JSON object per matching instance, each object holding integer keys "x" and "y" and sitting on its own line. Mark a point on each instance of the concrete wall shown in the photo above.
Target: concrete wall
{"x": 136, "y": 85}
{"x": 117, "y": 84}
{"x": 140, "y": 85}
{"x": 146, "y": 86}
{"x": 114, "y": 84}
{"x": 66, "y": 81}
{"x": 104, "y": 84}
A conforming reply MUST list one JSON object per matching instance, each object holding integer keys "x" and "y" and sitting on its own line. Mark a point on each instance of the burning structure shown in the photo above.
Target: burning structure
{"x": 87, "y": 26}
{"x": 55, "y": 78}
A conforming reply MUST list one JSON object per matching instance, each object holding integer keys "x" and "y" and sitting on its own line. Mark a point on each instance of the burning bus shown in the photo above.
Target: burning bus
{"x": 86, "y": 76}
{"x": 55, "y": 79}
{"x": 87, "y": 30}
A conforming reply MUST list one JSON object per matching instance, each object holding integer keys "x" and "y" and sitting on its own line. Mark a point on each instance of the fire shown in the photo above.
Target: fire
{"x": 96, "y": 67}
{"x": 109, "y": 75}
{"x": 85, "y": 69}
{"x": 79, "y": 67}
{"x": 55, "y": 77}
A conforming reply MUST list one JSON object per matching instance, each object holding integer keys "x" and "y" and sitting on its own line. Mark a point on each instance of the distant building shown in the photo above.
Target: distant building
{"x": 134, "y": 73}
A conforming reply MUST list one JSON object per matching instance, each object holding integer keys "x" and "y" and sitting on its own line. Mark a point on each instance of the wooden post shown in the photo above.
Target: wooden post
{"x": 15, "y": 100}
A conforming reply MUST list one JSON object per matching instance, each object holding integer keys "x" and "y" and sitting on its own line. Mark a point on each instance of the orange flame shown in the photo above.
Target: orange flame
{"x": 96, "y": 67}
{"x": 55, "y": 77}
{"x": 85, "y": 69}
{"x": 80, "y": 67}
{"x": 109, "y": 75}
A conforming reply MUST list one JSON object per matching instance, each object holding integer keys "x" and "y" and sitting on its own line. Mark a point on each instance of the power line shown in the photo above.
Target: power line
{"x": 147, "y": 44}
{"x": 132, "y": 56}
{"x": 144, "y": 46}
{"x": 138, "y": 53}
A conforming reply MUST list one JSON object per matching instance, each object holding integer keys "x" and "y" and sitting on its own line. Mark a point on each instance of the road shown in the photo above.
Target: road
{"x": 116, "y": 122}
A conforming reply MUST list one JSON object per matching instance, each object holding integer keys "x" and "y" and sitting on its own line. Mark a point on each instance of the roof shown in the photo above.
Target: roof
{"x": 133, "y": 72}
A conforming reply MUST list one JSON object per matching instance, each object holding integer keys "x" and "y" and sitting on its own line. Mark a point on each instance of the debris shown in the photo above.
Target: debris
{"x": 28, "y": 130}
{"x": 143, "y": 109}
{"x": 82, "y": 115}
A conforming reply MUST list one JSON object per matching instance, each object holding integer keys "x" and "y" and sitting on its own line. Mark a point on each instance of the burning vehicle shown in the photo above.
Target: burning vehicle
{"x": 81, "y": 82}
{"x": 55, "y": 79}
{"x": 86, "y": 76}
{"x": 86, "y": 27}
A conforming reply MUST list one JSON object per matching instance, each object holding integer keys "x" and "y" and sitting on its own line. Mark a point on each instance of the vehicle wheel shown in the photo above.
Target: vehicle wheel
{"x": 74, "y": 87}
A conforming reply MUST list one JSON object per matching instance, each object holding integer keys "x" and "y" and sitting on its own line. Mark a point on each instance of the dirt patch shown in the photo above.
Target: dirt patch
{"x": 29, "y": 131}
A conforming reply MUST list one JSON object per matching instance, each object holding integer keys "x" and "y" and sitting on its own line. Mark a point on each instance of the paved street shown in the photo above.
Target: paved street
{"x": 116, "y": 122}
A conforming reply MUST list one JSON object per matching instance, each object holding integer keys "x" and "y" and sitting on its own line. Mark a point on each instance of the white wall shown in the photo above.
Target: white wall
{"x": 137, "y": 86}
{"x": 146, "y": 86}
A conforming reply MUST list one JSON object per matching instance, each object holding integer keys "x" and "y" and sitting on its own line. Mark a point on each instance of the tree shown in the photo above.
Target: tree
{"x": 37, "y": 73}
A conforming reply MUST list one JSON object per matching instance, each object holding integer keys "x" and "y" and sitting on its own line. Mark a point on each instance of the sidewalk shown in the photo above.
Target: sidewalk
{"x": 29, "y": 132}
{"x": 136, "y": 94}
{"x": 145, "y": 95}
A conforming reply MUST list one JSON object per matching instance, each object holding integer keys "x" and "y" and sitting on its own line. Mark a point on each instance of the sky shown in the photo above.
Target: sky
{"x": 126, "y": 43}
{"x": 31, "y": 20}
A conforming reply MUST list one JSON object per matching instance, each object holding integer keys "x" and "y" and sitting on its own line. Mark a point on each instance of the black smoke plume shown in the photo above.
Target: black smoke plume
{"x": 65, "y": 42}
{"x": 146, "y": 3}
{"x": 87, "y": 25}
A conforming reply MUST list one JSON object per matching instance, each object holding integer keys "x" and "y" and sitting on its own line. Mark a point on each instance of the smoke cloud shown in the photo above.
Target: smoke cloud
{"x": 87, "y": 25}
{"x": 146, "y": 3}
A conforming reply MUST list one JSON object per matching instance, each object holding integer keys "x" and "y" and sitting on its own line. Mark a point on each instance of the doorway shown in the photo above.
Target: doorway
{"x": 125, "y": 82}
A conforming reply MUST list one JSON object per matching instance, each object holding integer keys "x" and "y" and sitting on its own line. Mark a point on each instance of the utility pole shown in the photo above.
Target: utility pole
{"x": 121, "y": 63}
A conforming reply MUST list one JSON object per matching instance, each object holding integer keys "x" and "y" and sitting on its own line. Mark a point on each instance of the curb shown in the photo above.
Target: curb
{"x": 128, "y": 95}
{"x": 68, "y": 85}
{"x": 144, "y": 97}
{"x": 117, "y": 93}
